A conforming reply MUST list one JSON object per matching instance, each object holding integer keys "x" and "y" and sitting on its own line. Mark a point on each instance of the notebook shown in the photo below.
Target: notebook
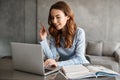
{"x": 29, "y": 58}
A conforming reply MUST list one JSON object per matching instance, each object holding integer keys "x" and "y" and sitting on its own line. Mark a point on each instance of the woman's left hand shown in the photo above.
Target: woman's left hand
{"x": 50, "y": 62}
{"x": 42, "y": 32}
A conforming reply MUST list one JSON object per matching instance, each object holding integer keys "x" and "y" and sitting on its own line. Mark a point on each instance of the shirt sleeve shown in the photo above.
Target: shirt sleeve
{"x": 49, "y": 48}
{"x": 79, "y": 56}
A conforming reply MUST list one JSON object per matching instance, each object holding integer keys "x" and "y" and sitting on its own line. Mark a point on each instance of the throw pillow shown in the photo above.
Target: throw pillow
{"x": 94, "y": 48}
{"x": 109, "y": 48}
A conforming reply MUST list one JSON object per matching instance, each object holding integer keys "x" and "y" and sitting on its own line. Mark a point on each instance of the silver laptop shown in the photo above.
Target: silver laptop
{"x": 29, "y": 58}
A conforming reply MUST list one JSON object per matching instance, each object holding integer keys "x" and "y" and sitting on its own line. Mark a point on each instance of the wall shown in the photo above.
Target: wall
{"x": 18, "y": 20}
{"x": 17, "y": 23}
{"x": 99, "y": 18}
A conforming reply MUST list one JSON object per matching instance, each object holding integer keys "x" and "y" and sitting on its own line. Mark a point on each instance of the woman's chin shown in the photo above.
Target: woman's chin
{"x": 58, "y": 28}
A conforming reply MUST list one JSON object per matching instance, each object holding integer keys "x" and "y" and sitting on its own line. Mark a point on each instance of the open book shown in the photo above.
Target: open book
{"x": 80, "y": 71}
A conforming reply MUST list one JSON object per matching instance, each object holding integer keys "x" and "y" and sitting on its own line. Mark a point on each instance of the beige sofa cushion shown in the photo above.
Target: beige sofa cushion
{"x": 109, "y": 48}
{"x": 94, "y": 48}
{"x": 105, "y": 61}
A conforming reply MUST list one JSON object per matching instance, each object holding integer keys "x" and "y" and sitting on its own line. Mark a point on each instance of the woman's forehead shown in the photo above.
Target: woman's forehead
{"x": 56, "y": 12}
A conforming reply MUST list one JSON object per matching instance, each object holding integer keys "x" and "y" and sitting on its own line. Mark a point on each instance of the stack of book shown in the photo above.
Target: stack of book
{"x": 81, "y": 71}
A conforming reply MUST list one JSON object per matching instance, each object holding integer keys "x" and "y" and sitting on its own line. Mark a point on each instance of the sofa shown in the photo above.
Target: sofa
{"x": 104, "y": 53}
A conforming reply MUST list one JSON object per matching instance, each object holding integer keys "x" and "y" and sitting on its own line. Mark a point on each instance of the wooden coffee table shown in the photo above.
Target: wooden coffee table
{"x": 7, "y": 72}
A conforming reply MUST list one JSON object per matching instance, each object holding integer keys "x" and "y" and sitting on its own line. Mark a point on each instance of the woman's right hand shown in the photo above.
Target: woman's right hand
{"x": 42, "y": 32}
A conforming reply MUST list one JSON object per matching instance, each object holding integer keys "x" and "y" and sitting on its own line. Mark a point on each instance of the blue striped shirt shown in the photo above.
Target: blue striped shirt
{"x": 68, "y": 56}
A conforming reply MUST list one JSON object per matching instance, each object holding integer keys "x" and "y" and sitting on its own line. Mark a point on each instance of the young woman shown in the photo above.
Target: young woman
{"x": 66, "y": 39}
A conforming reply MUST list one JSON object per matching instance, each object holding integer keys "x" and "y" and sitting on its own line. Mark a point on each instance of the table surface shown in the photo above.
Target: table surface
{"x": 8, "y": 73}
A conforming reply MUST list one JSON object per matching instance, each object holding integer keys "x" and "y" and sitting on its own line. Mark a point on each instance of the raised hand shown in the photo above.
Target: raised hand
{"x": 42, "y": 32}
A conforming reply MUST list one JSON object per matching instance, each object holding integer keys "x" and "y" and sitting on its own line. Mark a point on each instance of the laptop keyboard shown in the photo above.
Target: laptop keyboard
{"x": 47, "y": 70}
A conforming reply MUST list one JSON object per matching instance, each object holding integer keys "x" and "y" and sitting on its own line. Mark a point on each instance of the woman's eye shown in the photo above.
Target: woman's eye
{"x": 58, "y": 17}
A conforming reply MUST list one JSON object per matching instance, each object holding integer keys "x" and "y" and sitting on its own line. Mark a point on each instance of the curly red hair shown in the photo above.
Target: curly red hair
{"x": 70, "y": 28}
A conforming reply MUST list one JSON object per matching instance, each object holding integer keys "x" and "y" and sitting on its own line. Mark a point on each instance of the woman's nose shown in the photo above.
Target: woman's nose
{"x": 54, "y": 20}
